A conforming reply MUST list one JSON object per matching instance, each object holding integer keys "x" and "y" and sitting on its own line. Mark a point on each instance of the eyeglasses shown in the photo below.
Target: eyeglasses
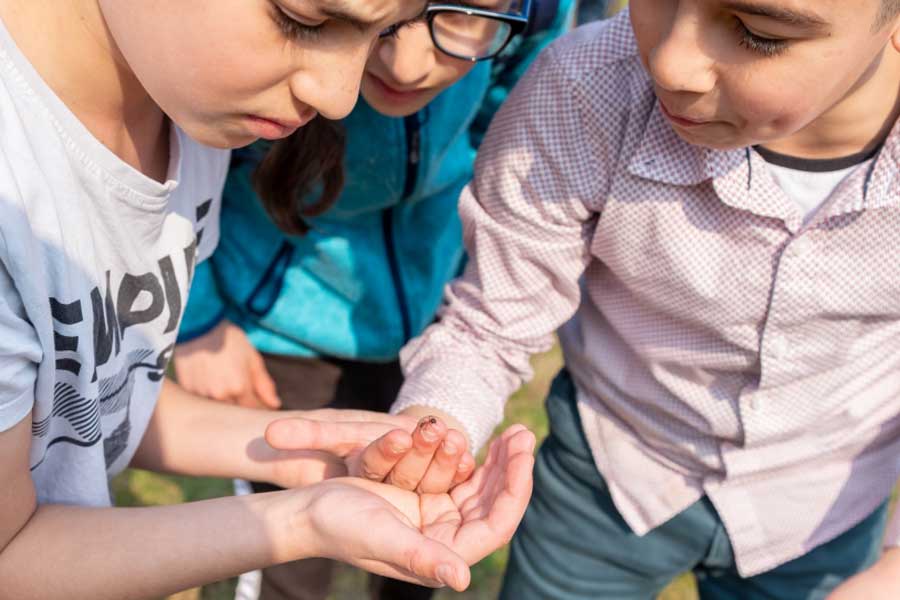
{"x": 470, "y": 33}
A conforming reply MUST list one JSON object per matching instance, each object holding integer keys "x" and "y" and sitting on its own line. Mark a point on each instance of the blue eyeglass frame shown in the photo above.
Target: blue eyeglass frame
{"x": 517, "y": 22}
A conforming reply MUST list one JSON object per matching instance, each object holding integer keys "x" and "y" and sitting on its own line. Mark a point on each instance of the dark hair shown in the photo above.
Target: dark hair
{"x": 889, "y": 10}
{"x": 311, "y": 158}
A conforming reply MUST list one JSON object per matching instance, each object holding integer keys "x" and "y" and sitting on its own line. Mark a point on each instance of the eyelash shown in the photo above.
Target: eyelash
{"x": 393, "y": 31}
{"x": 761, "y": 45}
{"x": 294, "y": 29}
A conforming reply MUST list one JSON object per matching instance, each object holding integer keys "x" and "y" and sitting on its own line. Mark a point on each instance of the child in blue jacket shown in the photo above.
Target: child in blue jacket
{"x": 294, "y": 321}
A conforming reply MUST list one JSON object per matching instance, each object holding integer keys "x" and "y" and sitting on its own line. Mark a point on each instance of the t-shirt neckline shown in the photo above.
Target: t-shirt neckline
{"x": 128, "y": 183}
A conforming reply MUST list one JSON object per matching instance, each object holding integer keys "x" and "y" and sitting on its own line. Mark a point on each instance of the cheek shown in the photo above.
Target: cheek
{"x": 448, "y": 71}
{"x": 194, "y": 61}
{"x": 768, "y": 106}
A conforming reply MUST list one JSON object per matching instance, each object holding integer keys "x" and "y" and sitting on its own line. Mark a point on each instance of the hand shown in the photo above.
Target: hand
{"x": 881, "y": 581}
{"x": 475, "y": 519}
{"x": 380, "y": 447}
{"x": 224, "y": 365}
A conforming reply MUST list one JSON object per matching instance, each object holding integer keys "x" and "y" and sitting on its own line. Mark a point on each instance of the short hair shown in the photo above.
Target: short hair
{"x": 889, "y": 10}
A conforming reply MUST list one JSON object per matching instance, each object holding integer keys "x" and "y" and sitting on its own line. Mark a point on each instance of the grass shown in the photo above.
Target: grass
{"x": 134, "y": 488}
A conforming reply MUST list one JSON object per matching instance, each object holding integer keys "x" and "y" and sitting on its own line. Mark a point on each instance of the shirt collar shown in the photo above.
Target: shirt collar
{"x": 664, "y": 157}
{"x": 738, "y": 176}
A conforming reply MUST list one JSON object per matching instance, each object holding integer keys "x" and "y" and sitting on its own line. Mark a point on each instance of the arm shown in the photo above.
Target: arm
{"x": 526, "y": 222}
{"x": 53, "y": 551}
{"x": 190, "y": 435}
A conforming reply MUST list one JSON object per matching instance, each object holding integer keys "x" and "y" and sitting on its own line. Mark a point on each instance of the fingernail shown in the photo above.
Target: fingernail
{"x": 398, "y": 448}
{"x": 426, "y": 427}
{"x": 450, "y": 448}
{"x": 445, "y": 575}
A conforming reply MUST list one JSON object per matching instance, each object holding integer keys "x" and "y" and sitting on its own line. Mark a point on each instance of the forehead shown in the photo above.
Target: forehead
{"x": 374, "y": 10}
{"x": 800, "y": 12}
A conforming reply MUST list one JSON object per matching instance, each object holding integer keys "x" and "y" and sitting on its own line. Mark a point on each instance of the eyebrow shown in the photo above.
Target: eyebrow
{"x": 338, "y": 13}
{"x": 789, "y": 16}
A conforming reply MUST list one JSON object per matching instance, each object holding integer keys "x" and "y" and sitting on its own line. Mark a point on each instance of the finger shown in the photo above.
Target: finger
{"x": 379, "y": 457}
{"x": 410, "y": 469}
{"x": 465, "y": 469}
{"x": 410, "y": 556}
{"x": 487, "y": 480}
{"x": 338, "y": 438}
{"x": 445, "y": 465}
{"x": 263, "y": 384}
{"x": 247, "y": 399}
{"x": 494, "y": 513}
{"x": 512, "y": 430}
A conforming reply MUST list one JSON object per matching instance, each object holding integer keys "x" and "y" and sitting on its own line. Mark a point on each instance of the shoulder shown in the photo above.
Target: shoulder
{"x": 596, "y": 71}
{"x": 599, "y": 53}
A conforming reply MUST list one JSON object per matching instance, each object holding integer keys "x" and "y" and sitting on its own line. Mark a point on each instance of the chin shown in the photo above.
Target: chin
{"x": 221, "y": 138}
{"x": 392, "y": 110}
{"x": 713, "y": 143}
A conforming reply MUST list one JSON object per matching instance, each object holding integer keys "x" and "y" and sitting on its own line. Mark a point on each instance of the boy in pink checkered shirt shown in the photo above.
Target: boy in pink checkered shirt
{"x": 711, "y": 187}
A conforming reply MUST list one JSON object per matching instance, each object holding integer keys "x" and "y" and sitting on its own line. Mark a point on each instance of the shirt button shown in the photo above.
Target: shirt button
{"x": 800, "y": 246}
{"x": 778, "y": 347}
{"x": 755, "y": 400}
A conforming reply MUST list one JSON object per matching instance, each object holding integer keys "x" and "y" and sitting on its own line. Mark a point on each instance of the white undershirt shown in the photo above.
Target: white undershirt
{"x": 810, "y": 189}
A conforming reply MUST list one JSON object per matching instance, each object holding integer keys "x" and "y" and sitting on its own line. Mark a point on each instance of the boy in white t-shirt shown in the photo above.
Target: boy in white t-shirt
{"x": 106, "y": 206}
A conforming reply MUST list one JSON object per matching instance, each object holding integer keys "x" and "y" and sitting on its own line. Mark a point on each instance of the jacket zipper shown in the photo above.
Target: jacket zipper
{"x": 412, "y": 126}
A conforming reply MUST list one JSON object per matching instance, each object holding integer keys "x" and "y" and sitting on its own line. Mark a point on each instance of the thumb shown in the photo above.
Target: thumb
{"x": 435, "y": 561}
{"x": 404, "y": 553}
{"x": 339, "y": 438}
{"x": 263, "y": 384}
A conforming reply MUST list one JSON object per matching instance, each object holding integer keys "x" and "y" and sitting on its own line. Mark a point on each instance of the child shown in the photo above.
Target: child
{"x": 107, "y": 206}
{"x": 325, "y": 312}
{"x": 713, "y": 185}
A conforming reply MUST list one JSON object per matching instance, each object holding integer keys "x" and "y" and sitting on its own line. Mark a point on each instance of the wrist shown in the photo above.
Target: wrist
{"x": 290, "y": 521}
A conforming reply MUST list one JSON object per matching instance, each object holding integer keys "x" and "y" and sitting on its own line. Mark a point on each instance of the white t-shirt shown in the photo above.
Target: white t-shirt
{"x": 810, "y": 182}
{"x": 95, "y": 264}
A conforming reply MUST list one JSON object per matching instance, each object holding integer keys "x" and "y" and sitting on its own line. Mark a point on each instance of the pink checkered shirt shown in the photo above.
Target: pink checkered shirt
{"x": 720, "y": 347}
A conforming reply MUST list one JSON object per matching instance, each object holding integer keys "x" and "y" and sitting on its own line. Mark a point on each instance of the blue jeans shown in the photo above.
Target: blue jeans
{"x": 573, "y": 544}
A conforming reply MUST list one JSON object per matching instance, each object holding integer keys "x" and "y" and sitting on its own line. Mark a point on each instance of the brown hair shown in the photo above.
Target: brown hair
{"x": 889, "y": 10}
{"x": 312, "y": 157}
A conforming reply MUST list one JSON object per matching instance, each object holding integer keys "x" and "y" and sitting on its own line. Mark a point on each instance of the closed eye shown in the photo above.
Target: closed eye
{"x": 757, "y": 43}
{"x": 292, "y": 28}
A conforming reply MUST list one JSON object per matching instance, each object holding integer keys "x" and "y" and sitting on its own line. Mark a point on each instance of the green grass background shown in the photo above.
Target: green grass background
{"x": 135, "y": 488}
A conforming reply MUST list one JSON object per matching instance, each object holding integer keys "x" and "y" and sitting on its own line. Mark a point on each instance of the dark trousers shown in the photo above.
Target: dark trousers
{"x": 305, "y": 384}
{"x": 574, "y": 545}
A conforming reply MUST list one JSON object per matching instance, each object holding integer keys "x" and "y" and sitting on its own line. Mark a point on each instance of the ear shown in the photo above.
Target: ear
{"x": 895, "y": 35}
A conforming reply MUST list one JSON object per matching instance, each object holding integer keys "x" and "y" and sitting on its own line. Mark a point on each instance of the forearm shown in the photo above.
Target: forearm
{"x": 97, "y": 553}
{"x": 190, "y": 435}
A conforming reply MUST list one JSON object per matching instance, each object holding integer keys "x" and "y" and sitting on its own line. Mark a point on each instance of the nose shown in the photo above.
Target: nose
{"x": 678, "y": 63}
{"x": 330, "y": 87}
{"x": 409, "y": 57}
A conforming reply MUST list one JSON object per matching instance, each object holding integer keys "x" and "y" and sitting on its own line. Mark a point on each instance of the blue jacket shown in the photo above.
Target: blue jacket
{"x": 370, "y": 274}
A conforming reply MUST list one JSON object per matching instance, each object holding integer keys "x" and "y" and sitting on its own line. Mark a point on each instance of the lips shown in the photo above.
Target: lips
{"x": 273, "y": 129}
{"x": 391, "y": 91}
{"x": 682, "y": 120}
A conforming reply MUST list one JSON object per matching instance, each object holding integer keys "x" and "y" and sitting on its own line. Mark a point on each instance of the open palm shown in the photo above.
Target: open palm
{"x": 481, "y": 515}
{"x": 402, "y": 534}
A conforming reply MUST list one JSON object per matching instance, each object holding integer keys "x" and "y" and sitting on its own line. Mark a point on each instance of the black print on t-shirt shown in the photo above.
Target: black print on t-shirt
{"x": 112, "y": 311}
